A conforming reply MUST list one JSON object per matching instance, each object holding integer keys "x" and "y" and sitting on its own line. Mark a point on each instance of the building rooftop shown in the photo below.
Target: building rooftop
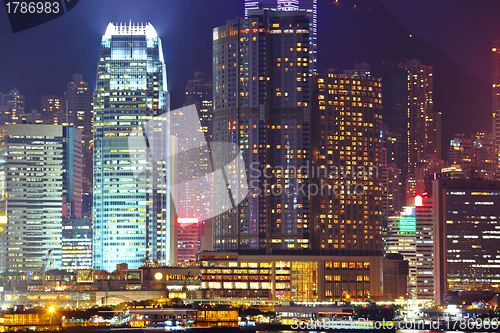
{"x": 130, "y": 29}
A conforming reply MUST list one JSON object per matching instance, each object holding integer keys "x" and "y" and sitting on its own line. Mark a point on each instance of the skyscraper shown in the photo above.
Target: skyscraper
{"x": 423, "y": 123}
{"x": 311, "y": 6}
{"x": 76, "y": 243}
{"x": 496, "y": 100}
{"x": 200, "y": 93}
{"x": 395, "y": 116}
{"x": 130, "y": 217}
{"x": 78, "y": 99}
{"x": 346, "y": 153}
{"x": 467, "y": 236}
{"x": 474, "y": 154}
{"x": 345, "y": 159}
{"x": 390, "y": 189}
{"x": 15, "y": 102}
{"x": 411, "y": 235}
{"x": 72, "y": 182}
{"x": 261, "y": 106}
{"x": 4, "y": 113}
{"x": 422, "y": 286}
{"x": 258, "y": 4}
{"x": 188, "y": 240}
{"x": 52, "y": 109}
{"x": 36, "y": 182}
{"x": 401, "y": 238}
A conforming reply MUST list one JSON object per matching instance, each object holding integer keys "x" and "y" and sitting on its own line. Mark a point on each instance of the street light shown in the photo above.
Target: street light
{"x": 51, "y": 311}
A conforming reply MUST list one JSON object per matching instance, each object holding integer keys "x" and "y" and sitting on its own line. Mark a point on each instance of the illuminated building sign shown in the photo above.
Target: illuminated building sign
{"x": 408, "y": 211}
{"x": 407, "y": 224}
{"x": 187, "y": 220}
{"x": 419, "y": 201}
{"x": 134, "y": 275}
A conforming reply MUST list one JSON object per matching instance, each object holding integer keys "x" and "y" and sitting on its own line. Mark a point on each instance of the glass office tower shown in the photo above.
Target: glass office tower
{"x": 40, "y": 181}
{"x": 130, "y": 216}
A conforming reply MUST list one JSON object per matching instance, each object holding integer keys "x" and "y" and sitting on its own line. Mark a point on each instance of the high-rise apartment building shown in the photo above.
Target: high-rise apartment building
{"x": 261, "y": 77}
{"x": 131, "y": 217}
{"x": 52, "y": 110}
{"x": 4, "y": 114}
{"x": 258, "y": 4}
{"x": 297, "y": 204}
{"x": 37, "y": 182}
{"x": 311, "y": 6}
{"x": 32, "y": 117}
{"x": 421, "y": 180}
{"x": 15, "y": 102}
{"x": 475, "y": 155}
{"x": 396, "y": 120}
{"x": 78, "y": 99}
{"x": 199, "y": 92}
{"x": 423, "y": 130}
{"x": 390, "y": 189}
{"x": 496, "y": 100}
{"x": 467, "y": 235}
{"x": 420, "y": 108}
{"x": 345, "y": 134}
{"x": 346, "y": 207}
{"x": 390, "y": 172}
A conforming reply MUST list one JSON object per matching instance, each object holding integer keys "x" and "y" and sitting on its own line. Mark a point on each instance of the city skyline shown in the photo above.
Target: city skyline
{"x": 267, "y": 152}
{"x": 183, "y": 42}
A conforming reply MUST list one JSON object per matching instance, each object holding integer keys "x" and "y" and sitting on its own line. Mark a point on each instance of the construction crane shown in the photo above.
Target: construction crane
{"x": 184, "y": 286}
{"x": 44, "y": 264}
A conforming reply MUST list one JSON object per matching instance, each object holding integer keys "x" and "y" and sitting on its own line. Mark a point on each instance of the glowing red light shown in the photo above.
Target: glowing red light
{"x": 187, "y": 220}
{"x": 419, "y": 201}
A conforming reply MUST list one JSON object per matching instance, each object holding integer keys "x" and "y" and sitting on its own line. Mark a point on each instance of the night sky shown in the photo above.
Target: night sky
{"x": 42, "y": 60}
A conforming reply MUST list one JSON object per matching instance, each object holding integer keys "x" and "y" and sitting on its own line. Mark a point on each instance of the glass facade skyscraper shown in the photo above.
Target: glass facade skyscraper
{"x": 38, "y": 181}
{"x": 467, "y": 236}
{"x": 130, "y": 216}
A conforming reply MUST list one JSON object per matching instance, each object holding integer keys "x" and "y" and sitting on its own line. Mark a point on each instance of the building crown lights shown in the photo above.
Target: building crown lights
{"x": 130, "y": 29}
